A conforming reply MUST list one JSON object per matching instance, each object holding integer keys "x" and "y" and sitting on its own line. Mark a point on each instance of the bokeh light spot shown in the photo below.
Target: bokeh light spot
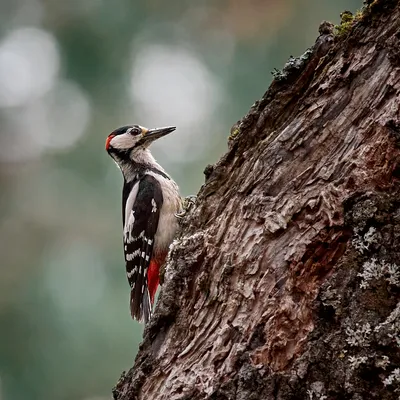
{"x": 172, "y": 86}
{"x": 56, "y": 121}
{"x": 29, "y": 64}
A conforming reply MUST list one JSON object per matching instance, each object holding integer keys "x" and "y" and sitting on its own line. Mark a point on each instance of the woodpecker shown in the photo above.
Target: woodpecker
{"x": 151, "y": 204}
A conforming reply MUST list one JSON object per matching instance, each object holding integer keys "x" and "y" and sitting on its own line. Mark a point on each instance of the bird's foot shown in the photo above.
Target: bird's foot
{"x": 187, "y": 203}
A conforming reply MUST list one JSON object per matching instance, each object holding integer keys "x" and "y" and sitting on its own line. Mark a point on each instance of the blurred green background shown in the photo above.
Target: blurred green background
{"x": 70, "y": 73}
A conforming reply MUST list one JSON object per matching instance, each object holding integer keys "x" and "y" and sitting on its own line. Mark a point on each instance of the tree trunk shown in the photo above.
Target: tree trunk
{"x": 284, "y": 281}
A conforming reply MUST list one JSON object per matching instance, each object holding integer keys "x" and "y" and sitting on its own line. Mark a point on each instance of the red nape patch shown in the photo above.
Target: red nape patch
{"x": 153, "y": 278}
{"x": 108, "y": 140}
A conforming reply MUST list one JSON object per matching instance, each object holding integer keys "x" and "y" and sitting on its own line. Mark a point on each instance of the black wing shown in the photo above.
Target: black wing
{"x": 141, "y": 213}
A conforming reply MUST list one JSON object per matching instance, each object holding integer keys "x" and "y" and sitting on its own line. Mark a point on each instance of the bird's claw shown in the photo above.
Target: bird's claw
{"x": 187, "y": 203}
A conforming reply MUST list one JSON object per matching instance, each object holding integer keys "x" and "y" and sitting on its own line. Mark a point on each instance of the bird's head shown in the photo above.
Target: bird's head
{"x": 131, "y": 137}
{"x": 132, "y": 140}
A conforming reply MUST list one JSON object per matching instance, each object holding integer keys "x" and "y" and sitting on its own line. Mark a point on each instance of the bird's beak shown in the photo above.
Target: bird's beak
{"x": 153, "y": 134}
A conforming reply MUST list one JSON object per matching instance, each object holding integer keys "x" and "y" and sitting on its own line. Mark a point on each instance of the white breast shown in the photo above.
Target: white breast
{"x": 168, "y": 223}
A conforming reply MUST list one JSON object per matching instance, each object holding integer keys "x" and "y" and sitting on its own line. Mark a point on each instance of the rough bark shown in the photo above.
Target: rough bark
{"x": 284, "y": 281}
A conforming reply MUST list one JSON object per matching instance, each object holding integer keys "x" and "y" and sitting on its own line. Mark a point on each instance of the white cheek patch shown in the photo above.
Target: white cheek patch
{"x": 124, "y": 141}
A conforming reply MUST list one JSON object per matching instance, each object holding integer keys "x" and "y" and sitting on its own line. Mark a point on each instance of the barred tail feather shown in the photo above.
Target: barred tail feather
{"x": 141, "y": 307}
{"x": 146, "y": 307}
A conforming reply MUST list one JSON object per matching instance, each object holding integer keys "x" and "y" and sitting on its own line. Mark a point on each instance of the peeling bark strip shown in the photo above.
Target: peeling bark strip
{"x": 285, "y": 280}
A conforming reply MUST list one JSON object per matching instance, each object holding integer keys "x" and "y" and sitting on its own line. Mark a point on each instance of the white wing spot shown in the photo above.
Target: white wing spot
{"x": 154, "y": 206}
{"x": 147, "y": 258}
{"x": 129, "y": 228}
{"x": 143, "y": 254}
{"x": 133, "y": 272}
{"x": 130, "y": 257}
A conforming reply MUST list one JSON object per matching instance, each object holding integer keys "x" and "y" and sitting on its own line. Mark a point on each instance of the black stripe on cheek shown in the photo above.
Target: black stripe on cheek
{"x": 157, "y": 171}
{"x": 141, "y": 170}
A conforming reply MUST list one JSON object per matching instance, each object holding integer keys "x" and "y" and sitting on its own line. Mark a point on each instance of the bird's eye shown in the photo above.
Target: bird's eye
{"x": 134, "y": 131}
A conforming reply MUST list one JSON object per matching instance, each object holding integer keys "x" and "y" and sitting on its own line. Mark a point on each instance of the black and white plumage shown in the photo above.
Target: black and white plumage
{"x": 150, "y": 202}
